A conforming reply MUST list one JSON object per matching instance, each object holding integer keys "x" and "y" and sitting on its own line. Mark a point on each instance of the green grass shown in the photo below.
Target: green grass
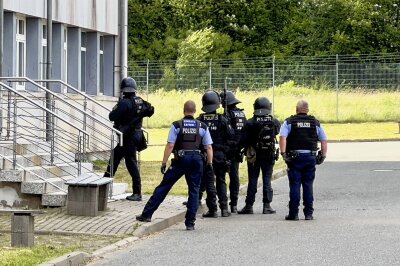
{"x": 152, "y": 156}
{"x": 48, "y": 247}
{"x": 353, "y": 106}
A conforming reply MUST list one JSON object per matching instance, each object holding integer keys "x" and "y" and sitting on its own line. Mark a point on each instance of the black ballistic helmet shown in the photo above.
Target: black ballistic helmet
{"x": 230, "y": 98}
{"x": 262, "y": 106}
{"x": 128, "y": 85}
{"x": 211, "y": 101}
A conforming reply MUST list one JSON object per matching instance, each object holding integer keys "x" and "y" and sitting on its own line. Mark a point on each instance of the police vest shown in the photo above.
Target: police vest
{"x": 216, "y": 128}
{"x": 238, "y": 119}
{"x": 189, "y": 135}
{"x": 303, "y": 133}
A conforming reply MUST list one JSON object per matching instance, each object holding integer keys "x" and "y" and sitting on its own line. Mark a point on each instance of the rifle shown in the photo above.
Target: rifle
{"x": 225, "y": 103}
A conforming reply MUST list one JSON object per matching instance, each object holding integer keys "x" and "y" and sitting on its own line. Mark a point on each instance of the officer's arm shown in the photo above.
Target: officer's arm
{"x": 167, "y": 152}
{"x": 324, "y": 147}
{"x": 282, "y": 144}
{"x": 209, "y": 151}
{"x": 118, "y": 111}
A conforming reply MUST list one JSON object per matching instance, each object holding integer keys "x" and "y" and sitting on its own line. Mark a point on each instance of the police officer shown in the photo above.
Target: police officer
{"x": 128, "y": 116}
{"x": 260, "y": 136}
{"x": 186, "y": 138}
{"x": 298, "y": 142}
{"x": 221, "y": 132}
{"x": 237, "y": 119}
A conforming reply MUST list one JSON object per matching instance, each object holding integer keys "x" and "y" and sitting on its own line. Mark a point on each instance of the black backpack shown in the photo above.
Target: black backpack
{"x": 266, "y": 137}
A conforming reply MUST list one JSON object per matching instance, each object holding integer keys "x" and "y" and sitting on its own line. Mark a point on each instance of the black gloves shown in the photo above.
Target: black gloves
{"x": 209, "y": 167}
{"x": 286, "y": 158}
{"x": 320, "y": 158}
{"x": 163, "y": 168}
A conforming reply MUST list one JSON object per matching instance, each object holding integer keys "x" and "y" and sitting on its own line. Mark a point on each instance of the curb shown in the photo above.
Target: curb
{"x": 74, "y": 258}
{"x": 145, "y": 229}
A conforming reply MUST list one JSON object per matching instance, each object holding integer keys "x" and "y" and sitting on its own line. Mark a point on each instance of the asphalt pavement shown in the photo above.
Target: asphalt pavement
{"x": 357, "y": 221}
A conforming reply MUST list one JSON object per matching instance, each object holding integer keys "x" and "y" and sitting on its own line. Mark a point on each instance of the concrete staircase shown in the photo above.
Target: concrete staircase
{"x": 35, "y": 176}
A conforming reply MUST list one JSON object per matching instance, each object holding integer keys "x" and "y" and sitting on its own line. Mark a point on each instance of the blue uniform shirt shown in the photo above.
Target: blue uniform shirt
{"x": 285, "y": 130}
{"x": 204, "y": 133}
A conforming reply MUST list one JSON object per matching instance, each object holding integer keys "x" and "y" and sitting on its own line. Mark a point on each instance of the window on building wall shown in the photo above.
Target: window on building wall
{"x": 21, "y": 49}
{"x": 83, "y": 61}
{"x": 101, "y": 76}
{"x": 65, "y": 54}
{"x": 43, "y": 59}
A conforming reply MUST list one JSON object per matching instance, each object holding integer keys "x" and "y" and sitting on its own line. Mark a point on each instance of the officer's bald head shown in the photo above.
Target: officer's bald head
{"x": 302, "y": 107}
{"x": 189, "y": 107}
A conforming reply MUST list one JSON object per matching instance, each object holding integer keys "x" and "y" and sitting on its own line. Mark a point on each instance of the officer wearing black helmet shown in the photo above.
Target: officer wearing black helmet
{"x": 127, "y": 116}
{"x": 237, "y": 119}
{"x": 259, "y": 138}
{"x": 221, "y": 132}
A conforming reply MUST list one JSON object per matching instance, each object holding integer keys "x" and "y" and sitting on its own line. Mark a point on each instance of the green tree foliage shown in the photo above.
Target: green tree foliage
{"x": 168, "y": 29}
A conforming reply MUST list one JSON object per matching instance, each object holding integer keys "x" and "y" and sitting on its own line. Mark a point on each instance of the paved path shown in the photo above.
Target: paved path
{"x": 118, "y": 220}
{"x": 357, "y": 211}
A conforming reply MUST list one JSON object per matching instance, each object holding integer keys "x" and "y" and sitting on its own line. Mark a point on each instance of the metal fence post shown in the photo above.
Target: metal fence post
{"x": 337, "y": 88}
{"x": 210, "y": 75}
{"x": 273, "y": 85}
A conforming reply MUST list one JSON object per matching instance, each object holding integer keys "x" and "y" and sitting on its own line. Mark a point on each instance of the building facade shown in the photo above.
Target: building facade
{"x": 85, "y": 43}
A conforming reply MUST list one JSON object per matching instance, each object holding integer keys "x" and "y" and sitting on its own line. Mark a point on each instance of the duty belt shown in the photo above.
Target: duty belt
{"x": 306, "y": 152}
{"x": 188, "y": 152}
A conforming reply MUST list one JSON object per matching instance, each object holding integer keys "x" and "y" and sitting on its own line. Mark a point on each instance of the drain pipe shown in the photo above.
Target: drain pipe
{"x": 1, "y": 36}
{"x": 49, "y": 104}
{"x": 123, "y": 38}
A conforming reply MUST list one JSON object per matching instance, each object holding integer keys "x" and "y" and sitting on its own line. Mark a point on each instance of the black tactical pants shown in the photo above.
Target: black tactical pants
{"x": 265, "y": 165}
{"x": 221, "y": 167}
{"x": 208, "y": 185}
{"x": 127, "y": 151}
{"x": 234, "y": 183}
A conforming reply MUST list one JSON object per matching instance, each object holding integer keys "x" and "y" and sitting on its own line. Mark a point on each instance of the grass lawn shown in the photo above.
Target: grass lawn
{"x": 150, "y": 159}
{"x": 48, "y": 247}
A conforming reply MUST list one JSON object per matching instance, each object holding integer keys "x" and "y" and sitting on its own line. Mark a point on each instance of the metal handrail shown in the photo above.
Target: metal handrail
{"x": 43, "y": 108}
{"x": 33, "y": 173}
{"x": 19, "y": 79}
{"x": 85, "y": 96}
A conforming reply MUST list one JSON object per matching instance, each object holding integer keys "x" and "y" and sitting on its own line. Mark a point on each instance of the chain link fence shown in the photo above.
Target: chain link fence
{"x": 337, "y": 72}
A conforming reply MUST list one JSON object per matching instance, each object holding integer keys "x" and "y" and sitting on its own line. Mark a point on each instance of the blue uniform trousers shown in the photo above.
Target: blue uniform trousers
{"x": 265, "y": 165}
{"x": 192, "y": 167}
{"x": 301, "y": 172}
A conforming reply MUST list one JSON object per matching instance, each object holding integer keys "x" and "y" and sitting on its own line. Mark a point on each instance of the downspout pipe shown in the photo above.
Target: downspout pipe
{"x": 123, "y": 38}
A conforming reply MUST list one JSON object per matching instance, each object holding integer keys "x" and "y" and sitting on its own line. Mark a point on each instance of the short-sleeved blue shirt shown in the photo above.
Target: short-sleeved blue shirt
{"x": 204, "y": 133}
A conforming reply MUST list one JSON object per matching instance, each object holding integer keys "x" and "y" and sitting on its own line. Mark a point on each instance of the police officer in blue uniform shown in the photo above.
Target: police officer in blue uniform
{"x": 264, "y": 152}
{"x": 237, "y": 119}
{"x": 298, "y": 142}
{"x": 186, "y": 139}
{"x": 221, "y": 132}
{"x": 127, "y": 116}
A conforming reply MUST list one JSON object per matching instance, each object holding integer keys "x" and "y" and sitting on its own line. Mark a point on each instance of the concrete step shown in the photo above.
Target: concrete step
{"x": 29, "y": 160}
{"x": 64, "y": 169}
{"x": 54, "y": 199}
{"x": 40, "y": 187}
{"x": 24, "y": 147}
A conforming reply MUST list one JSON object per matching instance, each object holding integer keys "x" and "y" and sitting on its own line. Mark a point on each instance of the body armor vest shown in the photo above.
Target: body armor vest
{"x": 303, "y": 133}
{"x": 213, "y": 121}
{"x": 189, "y": 135}
{"x": 237, "y": 119}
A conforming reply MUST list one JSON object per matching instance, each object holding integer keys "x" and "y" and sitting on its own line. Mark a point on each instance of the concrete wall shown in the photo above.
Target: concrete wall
{"x": 96, "y": 15}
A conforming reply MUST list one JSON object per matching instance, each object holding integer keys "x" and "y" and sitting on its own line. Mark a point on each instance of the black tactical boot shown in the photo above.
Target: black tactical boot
{"x": 233, "y": 209}
{"x": 143, "y": 219}
{"x": 309, "y": 217}
{"x": 225, "y": 213}
{"x": 134, "y": 197}
{"x": 267, "y": 209}
{"x": 290, "y": 217}
{"x": 247, "y": 209}
{"x": 210, "y": 214}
